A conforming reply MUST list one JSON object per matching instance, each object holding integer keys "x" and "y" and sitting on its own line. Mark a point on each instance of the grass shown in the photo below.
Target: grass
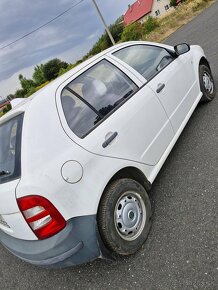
{"x": 176, "y": 18}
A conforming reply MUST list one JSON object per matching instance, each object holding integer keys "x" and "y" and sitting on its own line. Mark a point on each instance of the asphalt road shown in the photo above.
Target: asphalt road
{"x": 182, "y": 249}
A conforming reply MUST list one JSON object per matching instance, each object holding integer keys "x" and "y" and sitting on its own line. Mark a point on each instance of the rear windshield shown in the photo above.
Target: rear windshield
{"x": 10, "y": 149}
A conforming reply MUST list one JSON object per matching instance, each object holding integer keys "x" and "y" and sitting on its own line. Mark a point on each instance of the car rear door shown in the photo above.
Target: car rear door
{"x": 132, "y": 124}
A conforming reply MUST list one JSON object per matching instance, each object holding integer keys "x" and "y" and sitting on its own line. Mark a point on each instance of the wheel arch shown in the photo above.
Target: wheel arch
{"x": 132, "y": 173}
{"x": 204, "y": 61}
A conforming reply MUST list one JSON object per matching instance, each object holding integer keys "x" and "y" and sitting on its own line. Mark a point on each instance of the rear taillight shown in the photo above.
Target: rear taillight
{"x": 41, "y": 215}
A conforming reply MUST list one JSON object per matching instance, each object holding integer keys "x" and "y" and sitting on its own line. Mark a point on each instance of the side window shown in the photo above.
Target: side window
{"x": 157, "y": 12}
{"x": 80, "y": 117}
{"x": 93, "y": 95}
{"x": 10, "y": 147}
{"x": 146, "y": 59}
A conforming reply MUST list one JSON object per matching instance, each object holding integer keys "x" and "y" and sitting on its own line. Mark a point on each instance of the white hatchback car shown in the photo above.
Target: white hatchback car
{"x": 78, "y": 157}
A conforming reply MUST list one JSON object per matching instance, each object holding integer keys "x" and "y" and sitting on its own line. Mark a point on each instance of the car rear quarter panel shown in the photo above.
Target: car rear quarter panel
{"x": 15, "y": 224}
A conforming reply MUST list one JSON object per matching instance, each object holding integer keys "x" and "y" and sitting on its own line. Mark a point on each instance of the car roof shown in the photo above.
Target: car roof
{"x": 50, "y": 89}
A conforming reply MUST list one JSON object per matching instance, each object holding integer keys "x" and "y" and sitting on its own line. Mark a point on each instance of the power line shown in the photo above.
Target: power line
{"x": 42, "y": 26}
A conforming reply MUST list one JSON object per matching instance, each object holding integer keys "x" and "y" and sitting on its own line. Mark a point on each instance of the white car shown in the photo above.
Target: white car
{"x": 78, "y": 157}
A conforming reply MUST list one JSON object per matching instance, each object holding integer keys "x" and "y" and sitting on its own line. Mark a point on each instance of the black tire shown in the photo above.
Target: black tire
{"x": 117, "y": 239}
{"x": 207, "y": 84}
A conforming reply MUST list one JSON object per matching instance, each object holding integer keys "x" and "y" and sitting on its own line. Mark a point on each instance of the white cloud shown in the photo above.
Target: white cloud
{"x": 68, "y": 37}
{"x": 92, "y": 36}
{"x": 11, "y": 84}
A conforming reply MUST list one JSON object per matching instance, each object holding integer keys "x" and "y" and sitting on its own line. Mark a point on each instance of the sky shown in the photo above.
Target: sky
{"x": 68, "y": 37}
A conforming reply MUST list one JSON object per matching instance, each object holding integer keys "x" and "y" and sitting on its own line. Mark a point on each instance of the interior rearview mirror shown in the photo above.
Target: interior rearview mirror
{"x": 181, "y": 48}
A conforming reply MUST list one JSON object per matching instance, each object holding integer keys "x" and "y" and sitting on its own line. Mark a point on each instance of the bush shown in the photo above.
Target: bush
{"x": 6, "y": 108}
{"x": 34, "y": 90}
{"x": 42, "y": 85}
{"x": 64, "y": 70}
{"x": 30, "y": 92}
{"x": 150, "y": 25}
{"x": 133, "y": 31}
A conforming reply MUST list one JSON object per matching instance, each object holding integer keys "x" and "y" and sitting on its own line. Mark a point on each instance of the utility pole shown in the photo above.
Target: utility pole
{"x": 105, "y": 25}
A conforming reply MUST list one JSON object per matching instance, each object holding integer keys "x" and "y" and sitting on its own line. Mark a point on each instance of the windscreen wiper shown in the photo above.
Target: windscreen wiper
{"x": 4, "y": 173}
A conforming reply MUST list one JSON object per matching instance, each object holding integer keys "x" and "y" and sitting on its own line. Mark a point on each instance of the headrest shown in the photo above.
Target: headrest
{"x": 94, "y": 89}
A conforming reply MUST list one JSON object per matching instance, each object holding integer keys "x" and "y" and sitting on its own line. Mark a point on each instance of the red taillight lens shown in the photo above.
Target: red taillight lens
{"x": 41, "y": 215}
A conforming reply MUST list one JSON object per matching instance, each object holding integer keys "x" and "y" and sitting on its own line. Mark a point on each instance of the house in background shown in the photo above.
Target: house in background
{"x": 141, "y": 9}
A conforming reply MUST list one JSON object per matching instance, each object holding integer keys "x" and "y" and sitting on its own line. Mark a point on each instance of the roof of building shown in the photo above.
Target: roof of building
{"x": 137, "y": 10}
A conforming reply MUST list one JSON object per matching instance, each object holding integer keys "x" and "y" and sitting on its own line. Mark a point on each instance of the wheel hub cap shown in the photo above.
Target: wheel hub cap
{"x": 208, "y": 82}
{"x": 130, "y": 216}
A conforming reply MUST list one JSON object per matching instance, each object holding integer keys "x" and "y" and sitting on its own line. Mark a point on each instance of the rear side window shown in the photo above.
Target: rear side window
{"x": 146, "y": 59}
{"x": 80, "y": 117}
{"x": 10, "y": 149}
{"x": 89, "y": 99}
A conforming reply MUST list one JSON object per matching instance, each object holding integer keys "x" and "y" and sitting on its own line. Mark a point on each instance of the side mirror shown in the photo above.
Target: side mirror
{"x": 181, "y": 48}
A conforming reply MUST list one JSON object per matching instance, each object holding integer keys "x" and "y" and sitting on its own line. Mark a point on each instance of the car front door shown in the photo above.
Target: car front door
{"x": 112, "y": 114}
{"x": 170, "y": 77}
{"x": 177, "y": 89}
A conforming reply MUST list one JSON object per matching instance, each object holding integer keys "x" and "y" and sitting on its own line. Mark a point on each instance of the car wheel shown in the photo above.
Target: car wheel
{"x": 206, "y": 83}
{"x": 124, "y": 217}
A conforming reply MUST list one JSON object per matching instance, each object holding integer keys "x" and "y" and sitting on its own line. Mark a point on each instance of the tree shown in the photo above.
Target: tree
{"x": 99, "y": 46}
{"x": 20, "y": 93}
{"x": 117, "y": 29}
{"x": 104, "y": 41}
{"x": 26, "y": 84}
{"x": 173, "y": 3}
{"x": 52, "y": 68}
{"x": 38, "y": 75}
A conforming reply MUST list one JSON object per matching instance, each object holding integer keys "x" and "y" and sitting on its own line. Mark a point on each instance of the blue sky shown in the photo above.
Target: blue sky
{"x": 68, "y": 38}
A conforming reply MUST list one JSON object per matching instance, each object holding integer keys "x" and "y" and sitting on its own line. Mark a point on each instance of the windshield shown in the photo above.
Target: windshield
{"x": 10, "y": 143}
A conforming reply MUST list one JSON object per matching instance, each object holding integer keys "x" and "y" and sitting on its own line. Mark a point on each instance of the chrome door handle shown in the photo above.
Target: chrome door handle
{"x": 160, "y": 87}
{"x": 109, "y": 139}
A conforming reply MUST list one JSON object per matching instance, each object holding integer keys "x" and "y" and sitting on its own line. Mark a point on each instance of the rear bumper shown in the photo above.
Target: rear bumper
{"x": 78, "y": 243}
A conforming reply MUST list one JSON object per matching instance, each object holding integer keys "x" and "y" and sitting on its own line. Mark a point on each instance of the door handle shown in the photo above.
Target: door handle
{"x": 160, "y": 87}
{"x": 109, "y": 139}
